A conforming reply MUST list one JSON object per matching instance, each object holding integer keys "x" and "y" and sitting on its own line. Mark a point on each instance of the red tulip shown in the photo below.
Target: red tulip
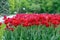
{"x": 0, "y": 23}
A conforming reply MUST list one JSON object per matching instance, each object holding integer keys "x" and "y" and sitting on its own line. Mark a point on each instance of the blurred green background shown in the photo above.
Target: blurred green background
{"x": 29, "y": 6}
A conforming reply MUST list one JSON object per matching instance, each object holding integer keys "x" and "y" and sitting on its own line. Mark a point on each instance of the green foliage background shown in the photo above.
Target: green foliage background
{"x": 29, "y": 6}
{"x": 36, "y": 6}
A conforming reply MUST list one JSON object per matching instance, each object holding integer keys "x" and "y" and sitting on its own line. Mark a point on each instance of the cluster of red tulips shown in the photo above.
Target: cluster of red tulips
{"x": 32, "y": 19}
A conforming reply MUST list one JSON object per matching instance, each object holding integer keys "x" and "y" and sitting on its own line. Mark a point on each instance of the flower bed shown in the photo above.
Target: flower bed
{"x": 32, "y": 19}
{"x": 32, "y": 27}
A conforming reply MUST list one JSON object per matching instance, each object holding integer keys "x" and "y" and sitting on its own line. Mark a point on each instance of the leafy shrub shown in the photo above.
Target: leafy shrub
{"x": 2, "y": 27}
{"x": 38, "y": 6}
